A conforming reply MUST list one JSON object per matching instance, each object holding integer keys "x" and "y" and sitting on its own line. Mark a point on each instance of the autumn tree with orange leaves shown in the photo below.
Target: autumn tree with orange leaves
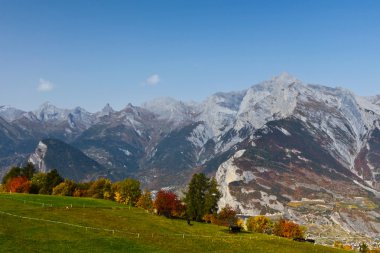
{"x": 288, "y": 229}
{"x": 19, "y": 184}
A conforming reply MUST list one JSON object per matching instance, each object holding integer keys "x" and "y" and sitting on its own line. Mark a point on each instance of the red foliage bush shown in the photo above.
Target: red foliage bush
{"x": 168, "y": 204}
{"x": 19, "y": 184}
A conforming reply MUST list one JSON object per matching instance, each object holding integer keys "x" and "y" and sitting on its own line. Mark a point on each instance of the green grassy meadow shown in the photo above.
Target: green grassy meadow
{"x": 92, "y": 225}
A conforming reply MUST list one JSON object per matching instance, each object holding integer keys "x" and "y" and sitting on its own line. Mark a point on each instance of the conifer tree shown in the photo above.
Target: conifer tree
{"x": 202, "y": 197}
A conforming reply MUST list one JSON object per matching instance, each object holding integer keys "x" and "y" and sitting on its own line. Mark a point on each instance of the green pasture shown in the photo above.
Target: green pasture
{"x": 40, "y": 223}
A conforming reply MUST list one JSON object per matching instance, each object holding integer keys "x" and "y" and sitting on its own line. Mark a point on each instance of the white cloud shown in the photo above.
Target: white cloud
{"x": 44, "y": 85}
{"x": 152, "y": 80}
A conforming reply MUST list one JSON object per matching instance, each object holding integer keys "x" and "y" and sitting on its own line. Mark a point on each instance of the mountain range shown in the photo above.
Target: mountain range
{"x": 281, "y": 147}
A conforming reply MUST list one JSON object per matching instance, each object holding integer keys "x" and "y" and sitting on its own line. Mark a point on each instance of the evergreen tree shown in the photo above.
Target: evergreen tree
{"x": 363, "y": 248}
{"x": 13, "y": 172}
{"x": 212, "y": 197}
{"x": 28, "y": 171}
{"x": 202, "y": 197}
{"x": 43, "y": 183}
{"x": 39, "y": 184}
{"x": 52, "y": 180}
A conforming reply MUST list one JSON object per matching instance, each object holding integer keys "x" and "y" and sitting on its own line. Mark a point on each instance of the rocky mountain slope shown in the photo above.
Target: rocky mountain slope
{"x": 306, "y": 151}
{"x": 72, "y": 163}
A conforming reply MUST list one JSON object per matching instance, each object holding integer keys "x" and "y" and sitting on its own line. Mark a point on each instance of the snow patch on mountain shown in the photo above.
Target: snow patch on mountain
{"x": 126, "y": 151}
{"x": 284, "y": 131}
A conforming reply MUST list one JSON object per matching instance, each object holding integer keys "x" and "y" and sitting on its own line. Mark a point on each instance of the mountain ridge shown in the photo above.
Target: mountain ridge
{"x": 272, "y": 144}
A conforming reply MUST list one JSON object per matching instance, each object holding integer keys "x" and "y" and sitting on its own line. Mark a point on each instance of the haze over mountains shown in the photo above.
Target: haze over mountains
{"x": 275, "y": 143}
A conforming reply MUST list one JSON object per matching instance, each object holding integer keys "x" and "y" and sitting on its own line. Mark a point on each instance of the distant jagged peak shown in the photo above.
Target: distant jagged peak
{"x": 47, "y": 112}
{"x": 107, "y": 110}
{"x": 228, "y": 100}
{"x": 10, "y": 113}
{"x": 278, "y": 84}
{"x": 130, "y": 108}
{"x": 162, "y": 102}
{"x": 5, "y": 107}
{"x": 170, "y": 109}
{"x": 285, "y": 78}
{"x": 46, "y": 105}
{"x": 374, "y": 99}
{"x": 48, "y": 108}
{"x": 164, "y": 105}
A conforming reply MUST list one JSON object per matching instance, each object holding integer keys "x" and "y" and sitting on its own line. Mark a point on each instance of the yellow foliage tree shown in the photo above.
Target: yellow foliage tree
{"x": 240, "y": 223}
{"x": 118, "y": 197}
{"x": 259, "y": 224}
{"x": 145, "y": 201}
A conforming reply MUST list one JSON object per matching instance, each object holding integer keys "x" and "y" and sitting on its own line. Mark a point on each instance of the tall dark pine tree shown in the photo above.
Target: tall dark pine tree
{"x": 28, "y": 170}
{"x": 212, "y": 197}
{"x": 52, "y": 180}
{"x": 201, "y": 197}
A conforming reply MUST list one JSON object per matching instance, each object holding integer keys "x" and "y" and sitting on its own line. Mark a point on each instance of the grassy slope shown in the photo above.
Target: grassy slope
{"x": 138, "y": 231}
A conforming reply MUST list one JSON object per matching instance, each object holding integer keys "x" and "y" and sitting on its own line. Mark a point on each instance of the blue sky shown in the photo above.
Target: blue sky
{"x": 88, "y": 53}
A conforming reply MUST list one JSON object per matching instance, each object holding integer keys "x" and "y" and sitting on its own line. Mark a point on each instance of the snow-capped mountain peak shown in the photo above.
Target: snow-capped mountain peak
{"x": 10, "y": 113}
{"x": 171, "y": 110}
{"x": 48, "y": 111}
{"x": 285, "y": 78}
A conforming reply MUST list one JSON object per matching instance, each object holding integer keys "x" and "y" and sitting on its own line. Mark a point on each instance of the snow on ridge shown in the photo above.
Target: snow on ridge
{"x": 49, "y": 112}
{"x": 126, "y": 151}
{"x": 171, "y": 109}
{"x": 285, "y": 77}
{"x": 10, "y": 113}
{"x": 284, "y": 131}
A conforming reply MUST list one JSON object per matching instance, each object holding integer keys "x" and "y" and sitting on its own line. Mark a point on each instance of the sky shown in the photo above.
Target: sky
{"x": 89, "y": 53}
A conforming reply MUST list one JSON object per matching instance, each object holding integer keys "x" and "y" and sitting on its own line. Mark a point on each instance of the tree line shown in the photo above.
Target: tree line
{"x": 200, "y": 201}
